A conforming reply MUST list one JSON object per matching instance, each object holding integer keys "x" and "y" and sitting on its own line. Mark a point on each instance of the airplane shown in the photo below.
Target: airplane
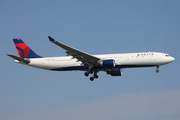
{"x": 112, "y": 64}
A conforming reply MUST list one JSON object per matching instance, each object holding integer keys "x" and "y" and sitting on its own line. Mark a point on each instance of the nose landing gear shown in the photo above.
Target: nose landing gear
{"x": 157, "y": 70}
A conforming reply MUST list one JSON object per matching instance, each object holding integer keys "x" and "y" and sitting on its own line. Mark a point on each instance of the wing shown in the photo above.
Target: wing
{"x": 85, "y": 58}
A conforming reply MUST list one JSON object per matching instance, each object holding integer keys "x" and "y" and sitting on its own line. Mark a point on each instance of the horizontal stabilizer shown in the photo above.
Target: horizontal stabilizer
{"x": 19, "y": 59}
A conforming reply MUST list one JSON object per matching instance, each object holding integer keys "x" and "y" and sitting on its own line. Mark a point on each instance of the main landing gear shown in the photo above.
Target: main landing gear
{"x": 157, "y": 70}
{"x": 91, "y": 72}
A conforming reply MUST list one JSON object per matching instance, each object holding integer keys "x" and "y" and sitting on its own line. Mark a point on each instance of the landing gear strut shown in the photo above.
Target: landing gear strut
{"x": 91, "y": 72}
{"x": 157, "y": 70}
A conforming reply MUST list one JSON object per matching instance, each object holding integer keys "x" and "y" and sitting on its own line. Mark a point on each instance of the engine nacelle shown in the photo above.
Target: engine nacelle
{"x": 117, "y": 72}
{"x": 107, "y": 63}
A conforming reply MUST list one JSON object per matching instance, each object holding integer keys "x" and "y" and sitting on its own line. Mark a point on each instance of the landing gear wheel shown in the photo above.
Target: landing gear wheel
{"x": 157, "y": 70}
{"x": 91, "y": 78}
{"x": 96, "y": 76}
{"x": 91, "y": 72}
{"x": 86, "y": 74}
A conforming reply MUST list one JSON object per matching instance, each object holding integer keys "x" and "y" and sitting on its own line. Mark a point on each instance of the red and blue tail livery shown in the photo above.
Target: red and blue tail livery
{"x": 24, "y": 50}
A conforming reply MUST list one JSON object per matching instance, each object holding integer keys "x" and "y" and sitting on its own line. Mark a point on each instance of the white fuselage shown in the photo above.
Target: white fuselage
{"x": 128, "y": 60}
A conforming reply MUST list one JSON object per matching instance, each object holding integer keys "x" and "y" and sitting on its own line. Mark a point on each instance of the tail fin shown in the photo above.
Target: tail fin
{"x": 24, "y": 50}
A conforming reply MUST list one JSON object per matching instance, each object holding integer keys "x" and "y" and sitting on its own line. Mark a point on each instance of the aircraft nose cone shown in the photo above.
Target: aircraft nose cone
{"x": 172, "y": 59}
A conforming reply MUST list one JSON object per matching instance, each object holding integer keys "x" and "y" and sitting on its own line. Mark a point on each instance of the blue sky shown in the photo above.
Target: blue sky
{"x": 95, "y": 27}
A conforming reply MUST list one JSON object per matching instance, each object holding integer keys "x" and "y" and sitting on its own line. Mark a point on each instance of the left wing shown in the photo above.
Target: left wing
{"x": 85, "y": 58}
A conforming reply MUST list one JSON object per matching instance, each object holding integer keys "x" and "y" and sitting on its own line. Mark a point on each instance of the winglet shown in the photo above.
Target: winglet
{"x": 51, "y": 39}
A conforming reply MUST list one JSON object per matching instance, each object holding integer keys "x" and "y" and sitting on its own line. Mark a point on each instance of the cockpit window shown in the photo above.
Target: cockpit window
{"x": 167, "y": 55}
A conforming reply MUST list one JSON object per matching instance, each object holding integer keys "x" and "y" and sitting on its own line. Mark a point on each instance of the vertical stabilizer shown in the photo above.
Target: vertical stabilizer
{"x": 24, "y": 50}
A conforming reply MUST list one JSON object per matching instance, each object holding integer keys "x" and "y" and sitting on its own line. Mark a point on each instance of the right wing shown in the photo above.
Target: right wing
{"x": 85, "y": 58}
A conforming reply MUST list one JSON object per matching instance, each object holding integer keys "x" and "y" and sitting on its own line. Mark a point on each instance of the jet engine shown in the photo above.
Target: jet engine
{"x": 107, "y": 63}
{"x": 117, "y": 72}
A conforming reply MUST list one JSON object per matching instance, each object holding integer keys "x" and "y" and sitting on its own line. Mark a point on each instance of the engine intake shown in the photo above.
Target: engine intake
{"x": 107, "y": 63}
{"x": 117, "y": 72}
